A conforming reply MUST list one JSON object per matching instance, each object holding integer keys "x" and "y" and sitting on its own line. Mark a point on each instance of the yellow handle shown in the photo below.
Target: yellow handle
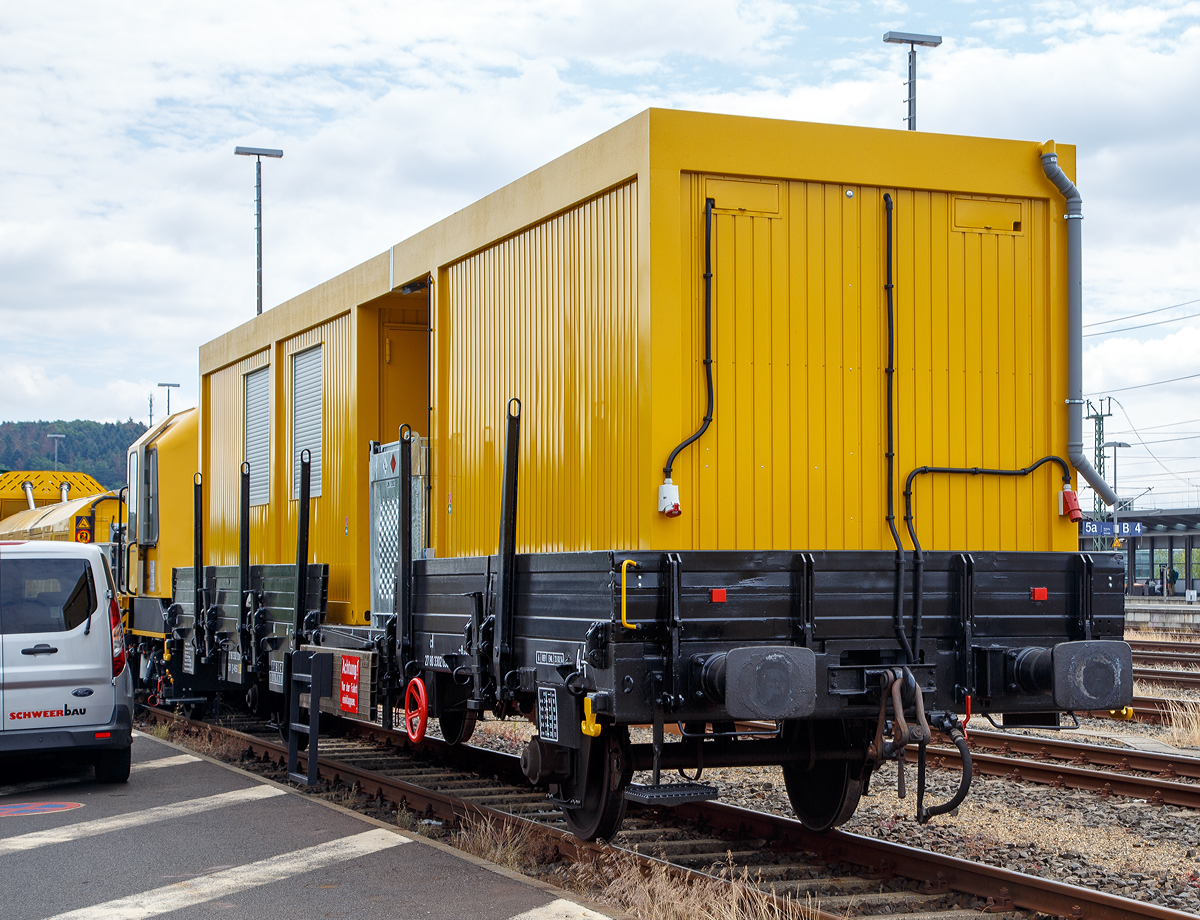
{"x": 624, "y": 567}
{"x": 589, "y": 726}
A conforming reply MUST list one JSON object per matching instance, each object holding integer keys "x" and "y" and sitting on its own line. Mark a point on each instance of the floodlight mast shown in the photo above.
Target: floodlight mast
{"x": 912, "y": 39}
{"x": 258, "y": 153}
{"x": 168, "y": 388}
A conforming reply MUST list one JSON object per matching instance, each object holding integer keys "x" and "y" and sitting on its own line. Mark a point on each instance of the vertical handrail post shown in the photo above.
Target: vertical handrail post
{"x": 506, "y": 577}
{"x": 405, "y": 555}
{"x": 244, "y": 567}
{"x": 301, "y": 551}
{"x": 198, "y": 631}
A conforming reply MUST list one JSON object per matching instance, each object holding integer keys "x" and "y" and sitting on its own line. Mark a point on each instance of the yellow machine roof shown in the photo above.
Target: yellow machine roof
{"x": 46, "y": 484}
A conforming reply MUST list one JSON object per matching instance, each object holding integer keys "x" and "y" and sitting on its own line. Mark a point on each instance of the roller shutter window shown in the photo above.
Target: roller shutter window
{"x": 258, "y": 434}
{"x": 307, "y": 385}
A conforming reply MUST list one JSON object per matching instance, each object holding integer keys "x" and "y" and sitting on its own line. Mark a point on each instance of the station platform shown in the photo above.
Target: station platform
{"x": 191, "y": 838}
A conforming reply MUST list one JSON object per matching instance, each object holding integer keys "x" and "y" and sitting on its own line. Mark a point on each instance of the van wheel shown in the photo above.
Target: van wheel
{"x": 113, "y": 766}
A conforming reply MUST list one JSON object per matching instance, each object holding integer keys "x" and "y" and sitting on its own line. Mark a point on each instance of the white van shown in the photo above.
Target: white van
{"x": 65, "y": 684}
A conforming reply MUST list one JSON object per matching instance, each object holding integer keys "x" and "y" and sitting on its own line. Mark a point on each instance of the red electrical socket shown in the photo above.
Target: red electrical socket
{"x": 1068, "y": 504}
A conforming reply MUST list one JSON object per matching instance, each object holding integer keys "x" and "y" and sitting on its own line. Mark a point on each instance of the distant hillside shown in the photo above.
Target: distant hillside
{"x": 95, "y": 448}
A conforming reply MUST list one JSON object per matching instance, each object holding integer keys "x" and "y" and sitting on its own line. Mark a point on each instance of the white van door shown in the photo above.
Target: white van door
{"x": 57, "y": 640}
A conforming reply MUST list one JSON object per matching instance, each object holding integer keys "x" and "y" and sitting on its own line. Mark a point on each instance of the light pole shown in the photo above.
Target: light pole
{"x": 168, "y": 387}
{"x": 57, "y": 438}
{"x": 1117, "y": 507}
{"x": 912, "y": 39}
{"x": 258, "y": 153}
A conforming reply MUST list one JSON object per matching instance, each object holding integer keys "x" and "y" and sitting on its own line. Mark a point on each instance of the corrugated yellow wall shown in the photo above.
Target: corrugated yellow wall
{"x": 547, "y": 316}
{"x": 224, "y": 451}
{"x": 794, "y": 458}
{"x": 333, "y": 519}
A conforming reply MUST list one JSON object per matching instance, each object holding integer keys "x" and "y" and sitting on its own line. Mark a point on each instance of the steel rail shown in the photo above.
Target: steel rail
{"x": 1165, "y": 645}
{"x": 1189, "y": 680}
{"x": 1159, "y": 657}
{"x": 1082, "y": 753}
{"x": 1004, "y": 889}
{"x": 1152, "y": 788}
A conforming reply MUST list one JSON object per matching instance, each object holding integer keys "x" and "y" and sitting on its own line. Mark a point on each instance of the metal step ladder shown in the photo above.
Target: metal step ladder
{"x": 311, "y": 672}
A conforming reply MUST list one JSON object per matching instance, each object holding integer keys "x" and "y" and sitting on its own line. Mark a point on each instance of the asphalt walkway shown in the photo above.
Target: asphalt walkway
{"x": 190, "y": 838}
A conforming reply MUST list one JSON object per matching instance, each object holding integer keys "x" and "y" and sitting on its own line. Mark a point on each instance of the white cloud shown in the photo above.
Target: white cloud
{"x": 126, "y": 225}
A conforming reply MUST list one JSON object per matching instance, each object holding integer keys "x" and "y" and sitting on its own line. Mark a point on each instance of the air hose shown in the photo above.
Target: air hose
{"x": 949, "y": 725}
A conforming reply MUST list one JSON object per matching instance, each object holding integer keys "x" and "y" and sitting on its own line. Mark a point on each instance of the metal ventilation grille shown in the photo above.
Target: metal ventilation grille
{"x": 385, "y": 529}
{"x": 385, "y": 520}
{"x": 258, "y": 434}
{"x": 307, "y": 381}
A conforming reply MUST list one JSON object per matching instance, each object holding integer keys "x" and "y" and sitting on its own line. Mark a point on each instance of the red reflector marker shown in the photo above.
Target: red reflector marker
{"x": 103, "y": 734}
{"x": 717, "y": 595}
{"x": 1038, "y": 594}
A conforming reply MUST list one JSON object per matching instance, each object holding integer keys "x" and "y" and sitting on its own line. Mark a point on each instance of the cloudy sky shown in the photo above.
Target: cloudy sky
{"x": 126, "y": 222}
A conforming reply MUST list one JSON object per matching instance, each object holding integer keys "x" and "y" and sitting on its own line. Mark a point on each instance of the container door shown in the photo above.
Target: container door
{"x": 404, "y": 399}
{"x": 57, "y": 651}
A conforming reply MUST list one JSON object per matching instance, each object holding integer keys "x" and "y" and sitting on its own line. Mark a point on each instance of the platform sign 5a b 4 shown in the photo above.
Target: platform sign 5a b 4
{"x": 349, "y": 682}
{"x": 1109, "y": 529}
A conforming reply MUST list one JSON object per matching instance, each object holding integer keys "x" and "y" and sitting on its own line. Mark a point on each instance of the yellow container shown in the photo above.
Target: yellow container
{"x": 579, "y": 289}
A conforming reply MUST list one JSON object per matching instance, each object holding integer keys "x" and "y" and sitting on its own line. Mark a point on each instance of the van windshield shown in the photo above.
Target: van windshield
{"x": 45, "y": 595}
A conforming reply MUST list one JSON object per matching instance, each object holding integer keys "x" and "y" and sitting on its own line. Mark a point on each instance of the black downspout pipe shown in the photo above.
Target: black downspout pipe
{"x": 244, "y": 567}
{"x": 301, "y": 598}
{"x": 898, "y": 591}
{"x": 198, "y": 638}
{"x": 709, "y": 204}
{"x": 507, "y": 551}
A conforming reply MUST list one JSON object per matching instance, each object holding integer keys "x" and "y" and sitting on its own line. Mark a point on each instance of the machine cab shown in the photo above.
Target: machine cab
{"x": 158, "y": 537}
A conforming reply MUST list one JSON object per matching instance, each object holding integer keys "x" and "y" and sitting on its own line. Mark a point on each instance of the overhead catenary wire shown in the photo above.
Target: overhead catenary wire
{"x": 1140, "y": 386}
{"x": 1138, "y": 435}
{"x": 1161, "y": 322}
{"x": 1120, "y": 319}
{"x": 1186, "y": 421}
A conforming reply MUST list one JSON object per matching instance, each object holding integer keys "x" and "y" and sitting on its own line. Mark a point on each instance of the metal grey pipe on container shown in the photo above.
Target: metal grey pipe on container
{"x": 1074, "y": 218}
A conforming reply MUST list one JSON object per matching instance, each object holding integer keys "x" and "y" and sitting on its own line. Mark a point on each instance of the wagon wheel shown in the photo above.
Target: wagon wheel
{"x": 827, "y": 793}
{"x": 602, "y": 772}
{"x": 457, "y": 725}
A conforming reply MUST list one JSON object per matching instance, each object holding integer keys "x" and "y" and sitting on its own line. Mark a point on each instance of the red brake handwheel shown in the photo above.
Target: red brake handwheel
{"x": 416, "y": 710}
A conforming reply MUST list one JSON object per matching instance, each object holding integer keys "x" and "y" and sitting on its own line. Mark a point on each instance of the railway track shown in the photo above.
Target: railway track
{"x": 1183, "y": 680}
{"x": 846, "y": 874}
{"x": 1161, "y": 779}
{"x": 1155, "y": 652}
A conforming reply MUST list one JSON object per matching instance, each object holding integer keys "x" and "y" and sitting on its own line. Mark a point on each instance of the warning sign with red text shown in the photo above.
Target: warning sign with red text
{"x": 349, "y": 695}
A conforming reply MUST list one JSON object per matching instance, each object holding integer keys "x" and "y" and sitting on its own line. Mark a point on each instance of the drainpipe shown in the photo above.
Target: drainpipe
{"x": 27, "y": 488}
{"x": 1074, "y": 216}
